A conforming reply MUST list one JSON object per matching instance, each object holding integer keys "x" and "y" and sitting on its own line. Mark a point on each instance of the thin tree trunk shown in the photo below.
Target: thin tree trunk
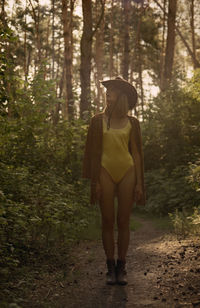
{"x": 36, "y": 18}
{"x": 67, "y": 25}
{"x": 194, "y": 59}
{"x": 111, "y": 45}
{"x": 3, "y": 14}
{"x": 58, "y": 66}
{"x": 86, "y": 55}
{"x": 162, "y": 55}
{"x": 25, "y": 51}
{"x": 47, "y": 44}
{"x": 139, "y": 57}
{"x": 56, "y": 115}
{"x": 126, "y": 51}
{"x": 170, "y": 45}
{"x": 53, "y": 38}
{"x": 98, "y": 57}
{"x": 193, "y": 32}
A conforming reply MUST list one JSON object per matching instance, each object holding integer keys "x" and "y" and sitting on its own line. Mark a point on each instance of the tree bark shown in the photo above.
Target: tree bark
{"x": 53, "y": 37}
{"x": 162, "y": 55}
{"x": 98, "y": 57}
{"x": 86, "y": 56}
{"x": 194, "y": 59}
{"x": 25, "y": 51}
{"x": 126, "y": 52}
{"x": 36, "y": 18}
{"x": 139, "y": 58}
{"x": 195, "y": 63}
{"x": 111, "y": 45}
{"x": 170, "y": 45}
{"x": 67, "y": 16}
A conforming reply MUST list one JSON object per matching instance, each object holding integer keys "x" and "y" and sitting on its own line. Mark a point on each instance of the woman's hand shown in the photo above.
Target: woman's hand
{"x": 98, "y": 190}
{"x": 138, "y": 192}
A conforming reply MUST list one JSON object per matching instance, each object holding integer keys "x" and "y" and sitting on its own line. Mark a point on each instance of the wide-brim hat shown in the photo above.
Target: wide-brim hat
{"x": 125, "y": 86}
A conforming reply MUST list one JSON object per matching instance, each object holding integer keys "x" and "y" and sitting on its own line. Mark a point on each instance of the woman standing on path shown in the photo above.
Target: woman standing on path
{"x": 113, "y": 161}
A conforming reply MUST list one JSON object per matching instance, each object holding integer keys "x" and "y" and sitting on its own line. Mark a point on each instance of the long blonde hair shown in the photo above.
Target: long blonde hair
{"x": 120, "y": 107}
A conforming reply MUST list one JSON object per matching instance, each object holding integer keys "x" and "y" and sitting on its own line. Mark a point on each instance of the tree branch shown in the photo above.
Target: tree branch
{"x": 197, "y": 63}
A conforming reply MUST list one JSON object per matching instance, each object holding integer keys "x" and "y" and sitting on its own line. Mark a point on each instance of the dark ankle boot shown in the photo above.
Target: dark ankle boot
{"x": 121, "y": 272}
{"x": 111, "y": 275}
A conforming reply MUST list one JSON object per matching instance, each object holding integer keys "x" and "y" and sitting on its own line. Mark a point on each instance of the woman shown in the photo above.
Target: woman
{"x": 113, "y": 161}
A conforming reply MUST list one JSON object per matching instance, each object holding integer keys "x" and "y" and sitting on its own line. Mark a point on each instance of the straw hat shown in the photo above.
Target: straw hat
{"x": 125, "y": 87}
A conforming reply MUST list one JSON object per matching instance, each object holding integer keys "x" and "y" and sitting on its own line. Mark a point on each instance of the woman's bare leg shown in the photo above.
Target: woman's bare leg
{"x": 125, "y": 201}
{"x": 107, "y": 213}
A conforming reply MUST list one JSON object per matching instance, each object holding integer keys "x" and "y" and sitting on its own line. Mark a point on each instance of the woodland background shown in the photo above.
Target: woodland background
{"x": 52, "y": 57}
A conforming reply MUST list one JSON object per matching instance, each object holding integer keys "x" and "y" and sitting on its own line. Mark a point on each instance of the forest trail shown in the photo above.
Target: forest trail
{"x": 162, "y": 272}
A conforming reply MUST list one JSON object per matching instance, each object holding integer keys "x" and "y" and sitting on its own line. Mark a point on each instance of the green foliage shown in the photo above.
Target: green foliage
{"x": 171, "y": 149}
{"x": 43, "y": 202}
{"x": 171, "y": 130}
{"x": 186, "y": 222}
{"x": 8, "y": 72}
{"x": 169, "y": 191}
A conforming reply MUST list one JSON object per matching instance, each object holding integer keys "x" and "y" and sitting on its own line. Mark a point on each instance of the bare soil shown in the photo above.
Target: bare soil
{"x": 163, "y": 271}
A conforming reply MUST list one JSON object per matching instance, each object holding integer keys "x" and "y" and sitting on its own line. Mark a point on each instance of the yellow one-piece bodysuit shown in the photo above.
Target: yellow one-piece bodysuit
{"x": 116, "y": 158}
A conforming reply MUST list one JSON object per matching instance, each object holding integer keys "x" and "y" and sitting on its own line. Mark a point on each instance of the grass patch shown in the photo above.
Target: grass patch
{"x": 159, "y": 222}
{"x": 163, "y": 223}
{"x": 93, "y": 230}
{"x": 134, "y": 224}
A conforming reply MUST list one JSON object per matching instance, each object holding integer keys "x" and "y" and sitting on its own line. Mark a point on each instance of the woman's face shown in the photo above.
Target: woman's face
{"x": 111, "y": 95}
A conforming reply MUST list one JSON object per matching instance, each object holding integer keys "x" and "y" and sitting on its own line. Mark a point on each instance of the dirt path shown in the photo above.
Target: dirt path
{"x": 162, "y": 272}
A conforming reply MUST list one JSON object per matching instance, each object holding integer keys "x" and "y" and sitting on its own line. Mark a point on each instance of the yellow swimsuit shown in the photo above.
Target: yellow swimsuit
{"x": 116, "y": 158}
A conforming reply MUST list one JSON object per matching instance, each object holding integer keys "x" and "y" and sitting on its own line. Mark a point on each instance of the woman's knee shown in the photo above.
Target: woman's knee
{"x": 108, "y": 223}
{"x": 123, "y": 223}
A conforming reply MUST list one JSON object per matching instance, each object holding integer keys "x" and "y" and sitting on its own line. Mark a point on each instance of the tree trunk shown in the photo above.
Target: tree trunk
{"x": 162, "y": 55}
{"x": 111, "y": 45}
{"x": 139, "y": 58}
{"x": 126, "y": 51}
{"x": 25, "y": 51}
{"x": 86, "y": 55}
{"x": 53, "y": 38}
{"x": 195, "y": 64}
{"x": 99, "y": 44}
{"x": 3, "y": 14}
{"x": 36, "y": 18}
{"x": 194, "y": 59}
{"x": 170, "y": 45}
{"x": 67, "y": 14}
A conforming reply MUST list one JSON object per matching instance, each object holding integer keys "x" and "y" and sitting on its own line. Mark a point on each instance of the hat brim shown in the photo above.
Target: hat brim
{"x": 125, "y": 87}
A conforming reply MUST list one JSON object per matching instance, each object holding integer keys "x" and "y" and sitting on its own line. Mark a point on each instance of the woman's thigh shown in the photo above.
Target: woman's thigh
{"x": 107, "y": 195}
{"x": 125, "y": 193}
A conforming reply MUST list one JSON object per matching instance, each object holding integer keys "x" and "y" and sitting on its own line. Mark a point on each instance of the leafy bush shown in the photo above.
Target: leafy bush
{"x": 43, "y": 202}
{"x": 169, "y": 191}
{"x": 186, "y": 222}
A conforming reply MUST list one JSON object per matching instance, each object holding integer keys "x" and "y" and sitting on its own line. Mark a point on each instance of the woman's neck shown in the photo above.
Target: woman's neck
{"x": 114, "y": 115}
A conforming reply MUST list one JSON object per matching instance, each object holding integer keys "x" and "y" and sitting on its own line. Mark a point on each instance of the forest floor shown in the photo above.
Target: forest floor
{"x": 163, "y": 271}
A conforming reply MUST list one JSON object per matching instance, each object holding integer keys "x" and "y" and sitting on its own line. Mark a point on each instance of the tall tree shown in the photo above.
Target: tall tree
{"x": 162, "y": 54}
{"x": 86, "y": 56}
{"x": 53, "y": 36}
{"x": 98, "y": 57}
{"x": 67, "y": 15}
{"x": 86, "y": 52}
{"x": 111, "y": 41}
{"x": 192, "y": 26}
{"x": 126, "y": 52}
{"x": 170, "y": 45}
{"x": 194, "y": 58}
